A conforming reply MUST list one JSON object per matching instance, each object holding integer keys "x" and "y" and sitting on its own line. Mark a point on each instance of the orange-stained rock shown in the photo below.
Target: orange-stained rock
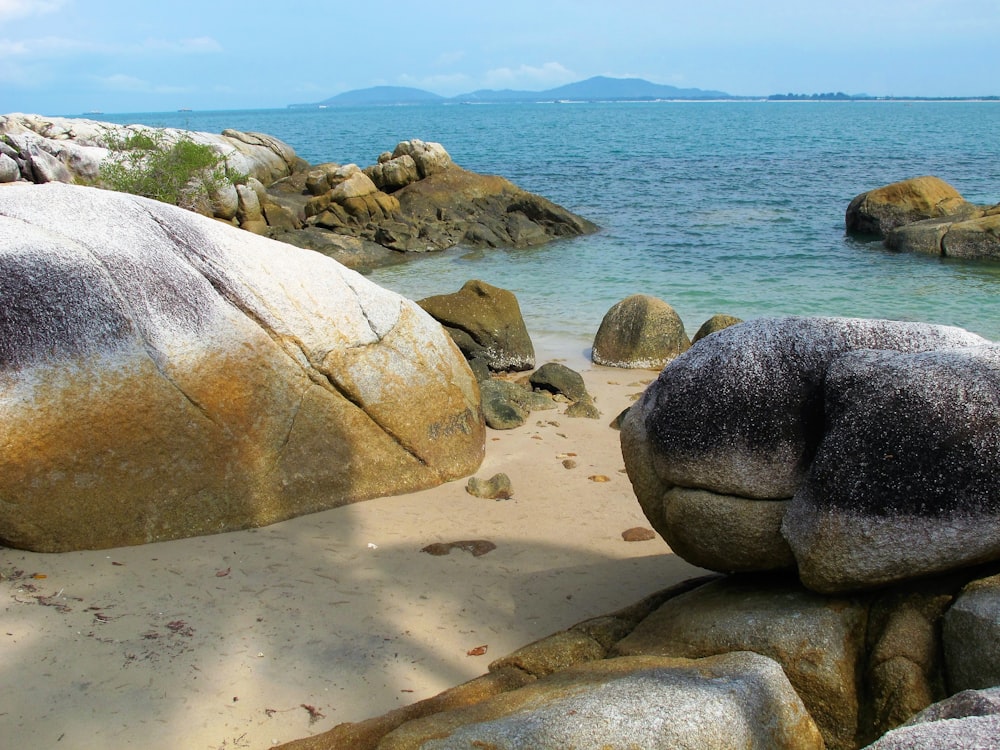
{"x": 163, "y": 375}
{"x": 883, "y": 209}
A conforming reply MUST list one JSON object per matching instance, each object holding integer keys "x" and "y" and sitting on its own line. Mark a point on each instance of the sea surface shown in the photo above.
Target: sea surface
{"x": 714, "y": 207}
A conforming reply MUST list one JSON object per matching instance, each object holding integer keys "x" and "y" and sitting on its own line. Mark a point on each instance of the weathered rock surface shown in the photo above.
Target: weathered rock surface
{"x": 969, "y": 720}
{"x": 885, "y": 208}
{"x": 417, "y": 199}
{"x": 486, "y": 323}
{"x": 874, "y": 433}
{"x": 81, "y": 145}
{"x": 736, "y": 700}
{"x": 927, "y": 215}
{"x": 817, "y": 640}
{"x": 713, "y": 324}
{"x": 640, "y": 332}
{"x": 165, "y": 375}
{"x": 904, "y": 478}
{"x": 443, "y": 204}
{"x": 506, "y": 404}
{"x": 860, "y": 665}
{"x": 970, "y": 634}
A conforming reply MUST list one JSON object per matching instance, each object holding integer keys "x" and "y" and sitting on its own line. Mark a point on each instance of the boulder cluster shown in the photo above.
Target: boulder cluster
{"x": 926, "y": 215}
{"x": 417, "y": 199}
{"x": 413, "y": 199}
{"x": 840, "y": 475}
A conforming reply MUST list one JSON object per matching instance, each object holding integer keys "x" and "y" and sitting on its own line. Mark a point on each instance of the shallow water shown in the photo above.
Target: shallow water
{"x": 734, "y": 207}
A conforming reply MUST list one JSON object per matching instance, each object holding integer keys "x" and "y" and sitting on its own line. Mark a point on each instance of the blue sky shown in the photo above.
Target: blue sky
{"x": 71, "y": 56}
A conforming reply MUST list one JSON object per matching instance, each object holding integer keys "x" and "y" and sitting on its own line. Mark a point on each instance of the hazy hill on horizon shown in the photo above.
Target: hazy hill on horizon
{"x": 597, "y": 88}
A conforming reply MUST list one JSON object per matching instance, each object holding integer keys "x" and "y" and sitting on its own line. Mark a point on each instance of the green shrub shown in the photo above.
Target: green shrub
{"x": 184, "y": 173}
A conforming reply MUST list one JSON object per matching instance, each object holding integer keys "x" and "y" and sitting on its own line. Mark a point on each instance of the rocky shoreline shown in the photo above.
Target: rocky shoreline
{"x": 170, "y": 375}
{"x": 413, "y": 199}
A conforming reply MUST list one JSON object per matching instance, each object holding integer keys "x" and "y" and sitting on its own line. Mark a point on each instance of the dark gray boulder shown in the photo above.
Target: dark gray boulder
{"x": 904, "y": 479}
{"x": 745, "y": 416}
{"x": 559, "y": 379}
{"x": 741, "y": 413}
{"x": 969, "y": 720}
{"x": 970, "y": 633}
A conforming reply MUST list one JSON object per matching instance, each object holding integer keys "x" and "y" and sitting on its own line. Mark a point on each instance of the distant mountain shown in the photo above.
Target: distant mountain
{"x": 377, "y": 96}
{"x": 601, "y": 88}
{"x": 598, "y": 88}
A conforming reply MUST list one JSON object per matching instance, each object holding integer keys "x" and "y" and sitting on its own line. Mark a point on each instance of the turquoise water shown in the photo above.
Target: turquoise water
{"x": 734, "y": 207}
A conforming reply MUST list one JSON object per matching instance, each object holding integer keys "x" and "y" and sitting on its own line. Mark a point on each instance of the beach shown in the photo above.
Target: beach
{"x": 257, "y": 637}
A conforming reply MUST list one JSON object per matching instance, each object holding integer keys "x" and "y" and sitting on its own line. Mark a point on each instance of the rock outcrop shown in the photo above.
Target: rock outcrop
{"x": 840, "y": 441}
{"x": 414, "y": 199}
{"x": 735, "y": 700}
{"x": 640, "y": 332}
{"x": 926, "y": 215}
{"x": 165, "y": 375}
{"x": 417, "y": 199}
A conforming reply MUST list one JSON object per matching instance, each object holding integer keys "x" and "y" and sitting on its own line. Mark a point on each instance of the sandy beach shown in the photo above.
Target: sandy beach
{"x": 253, "y": 638}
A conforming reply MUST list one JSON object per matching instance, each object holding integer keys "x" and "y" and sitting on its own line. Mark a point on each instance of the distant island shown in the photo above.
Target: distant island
{"x": 596, "y": 89}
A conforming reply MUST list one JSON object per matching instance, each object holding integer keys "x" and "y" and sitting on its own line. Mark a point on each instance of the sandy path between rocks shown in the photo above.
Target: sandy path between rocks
{"x": 252, "y": 638}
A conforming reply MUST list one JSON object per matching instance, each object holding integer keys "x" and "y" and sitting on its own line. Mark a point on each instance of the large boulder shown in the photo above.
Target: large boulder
{"x": 741, "y": 417}
{"x": 819, "y": 641}
{"x": 953, "y": 237}
{"x": 640, "y": 331}
{"x": 878, "y": 211}
{"x": 486, "y": 323}
{"x": 166, "y": 375}
{"x": 903, "y": 482}
{"x": 735, "y": 700}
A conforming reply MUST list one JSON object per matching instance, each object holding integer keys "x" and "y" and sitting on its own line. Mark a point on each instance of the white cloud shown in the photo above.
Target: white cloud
{"x": 549, "y": 74}
{"x": 54, "y": 46}
{"x": 11, "y": 9}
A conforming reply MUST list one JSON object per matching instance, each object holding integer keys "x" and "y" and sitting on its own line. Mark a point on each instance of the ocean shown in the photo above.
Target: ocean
{"x": 714, "y": 207}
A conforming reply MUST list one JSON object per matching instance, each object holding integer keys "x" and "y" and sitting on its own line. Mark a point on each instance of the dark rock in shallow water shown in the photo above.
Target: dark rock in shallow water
{"x": 490, "y": 321}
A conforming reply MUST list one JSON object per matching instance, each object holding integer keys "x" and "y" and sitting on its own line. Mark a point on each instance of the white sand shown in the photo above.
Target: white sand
{"x": 235, "y": 640}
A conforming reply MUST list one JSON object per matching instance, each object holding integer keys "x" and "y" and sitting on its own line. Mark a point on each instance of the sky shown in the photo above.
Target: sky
{"x": 60, "y": 57}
